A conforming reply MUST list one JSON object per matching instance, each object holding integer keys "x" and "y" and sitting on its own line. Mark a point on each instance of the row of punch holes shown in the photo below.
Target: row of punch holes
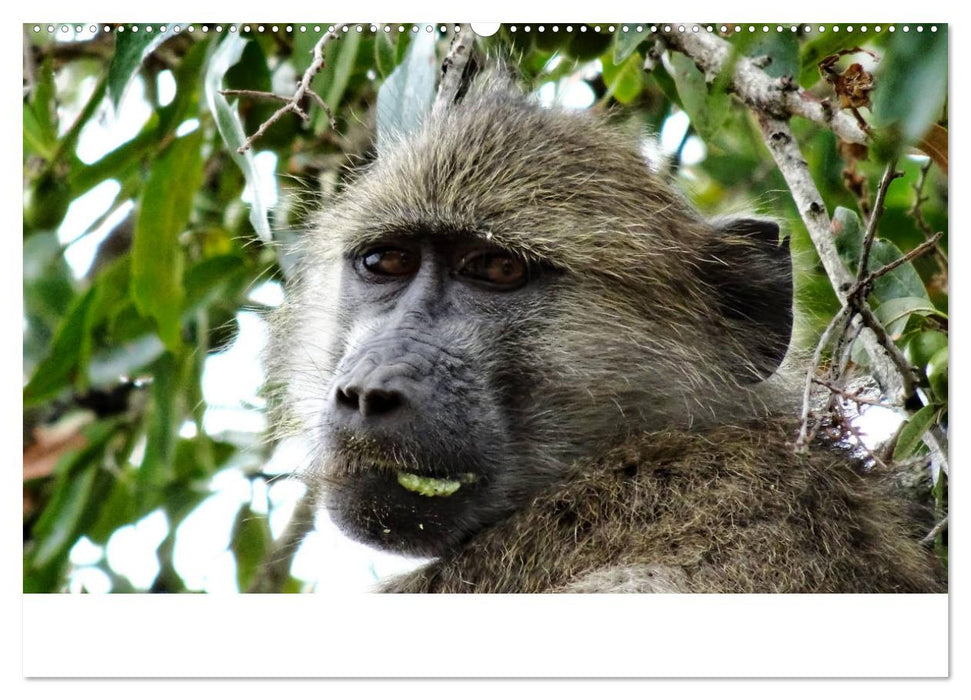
{"x": 401, "y": 28}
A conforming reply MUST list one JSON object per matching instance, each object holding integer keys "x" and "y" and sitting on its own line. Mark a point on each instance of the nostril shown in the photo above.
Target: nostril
{"x": 348, "y": 398}
{"x": 379, "y": 402}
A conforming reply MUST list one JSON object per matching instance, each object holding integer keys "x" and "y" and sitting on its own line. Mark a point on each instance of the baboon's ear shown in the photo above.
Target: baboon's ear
{"x": 751, "y": 274}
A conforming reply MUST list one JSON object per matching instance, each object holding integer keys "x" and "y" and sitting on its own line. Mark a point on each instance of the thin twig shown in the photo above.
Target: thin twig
{"x": 917, "y": 213}
{"x": 935, "y": 531}
{"x": 259, "y": 94}
{"x": 453, "y": 67}
{"x": 910, "y": 255}
{"x": 889, "y": 175}
{"x": 292, "y": 104}
{"x": 850, "y": 396}
{"x": 802, "y": 442}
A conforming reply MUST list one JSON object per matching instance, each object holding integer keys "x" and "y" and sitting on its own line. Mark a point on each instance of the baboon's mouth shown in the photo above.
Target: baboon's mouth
{"x": 430, "y": 486}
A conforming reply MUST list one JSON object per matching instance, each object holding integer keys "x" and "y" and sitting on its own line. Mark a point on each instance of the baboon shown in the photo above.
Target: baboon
{"x": 517, "y": 350}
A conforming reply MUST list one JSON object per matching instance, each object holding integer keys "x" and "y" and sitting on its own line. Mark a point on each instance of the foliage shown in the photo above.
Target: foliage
{"x": 117, "y": 421}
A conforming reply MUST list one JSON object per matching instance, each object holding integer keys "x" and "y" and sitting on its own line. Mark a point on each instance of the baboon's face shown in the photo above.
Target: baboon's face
{"x": 501, "y": 295}
{"x": 420, "y": 423}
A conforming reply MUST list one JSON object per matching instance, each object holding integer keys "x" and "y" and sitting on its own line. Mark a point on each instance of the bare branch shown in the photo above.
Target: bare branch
{"x": 805, "y": 435}
{"x": 915, "y": 253}
{"x": 778, "y": 97}
{"x": 889, "y": 175}
{"x": 292, "y": 104}
{"x": 849, "y": 395}
{"x": 935, "y": 531}
{"x": 917, "y": 213}
{"x": 453, "y": 67}
{"x": 892, "y": 371}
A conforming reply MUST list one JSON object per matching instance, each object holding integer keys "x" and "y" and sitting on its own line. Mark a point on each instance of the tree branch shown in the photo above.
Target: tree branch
{"x": 777, "y": 97}
{"x": 892, "y": 370}
{"x": 292, "y": 104}
{"x": 453, "y": 67}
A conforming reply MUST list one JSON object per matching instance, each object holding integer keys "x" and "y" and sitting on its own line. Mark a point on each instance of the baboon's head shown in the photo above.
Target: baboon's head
{"x": 502, "y": 294}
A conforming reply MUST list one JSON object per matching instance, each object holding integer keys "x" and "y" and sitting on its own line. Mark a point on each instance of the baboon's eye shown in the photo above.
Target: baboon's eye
{"x": 390, "y": 262}
{"x": 495, "y": 269}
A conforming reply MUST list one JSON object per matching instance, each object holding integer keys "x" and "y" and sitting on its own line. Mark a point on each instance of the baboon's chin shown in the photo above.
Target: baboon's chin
{"x": 404, "y": 511}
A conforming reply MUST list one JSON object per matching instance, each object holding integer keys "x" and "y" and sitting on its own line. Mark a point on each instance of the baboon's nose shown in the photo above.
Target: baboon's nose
{"x": 368, "y": 401}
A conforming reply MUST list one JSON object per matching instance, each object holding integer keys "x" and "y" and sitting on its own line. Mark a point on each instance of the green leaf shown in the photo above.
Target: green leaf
{"x": 782, "y": 48}
{"x": 848, "y": 236}
{"x": 80, "y": 478}
{"x": 131, "y": 48}
{"x": 585, "y": 45}
{"x": 226, "y": 55}
{"x": 913, "y": 431}
{"x": 626, "y": 42}
{"x": 936, "y": 371}
{"x": 707, "y": 108}
{"x": 902, "y": 281}
{"x": 666, "y": 83}
{"x": 406, "y": 97}
{"x": 251, "y": 541}
{"x": 894, "y": 313}
{"x": 385, "y": 53}
{"x": 341, "y": 57}
{"x": 625, "y": 81}
{"x": 157, "y": 257}
{"x": 117, "y": 510}
{"x": 65, "y": 362}
{"x": 188, "y": 77}
{"x": 40, "y": 115}
{"x": 205, "y": 282}
{"x": 156, "y": 470}
{"x": 911, "y": 84}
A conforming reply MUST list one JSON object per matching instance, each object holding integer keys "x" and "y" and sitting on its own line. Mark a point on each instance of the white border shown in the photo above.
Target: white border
{"x": 491, "y": 635}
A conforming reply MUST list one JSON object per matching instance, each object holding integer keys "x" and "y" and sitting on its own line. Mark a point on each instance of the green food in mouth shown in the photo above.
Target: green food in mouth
{"x": 429, "y": 486}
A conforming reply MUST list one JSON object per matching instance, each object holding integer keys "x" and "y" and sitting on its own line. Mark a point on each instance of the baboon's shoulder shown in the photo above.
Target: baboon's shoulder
{"x": 732, "y": 509}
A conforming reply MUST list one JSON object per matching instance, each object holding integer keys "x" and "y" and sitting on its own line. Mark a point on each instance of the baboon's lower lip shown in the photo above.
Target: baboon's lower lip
{"x": 430, "y": 486}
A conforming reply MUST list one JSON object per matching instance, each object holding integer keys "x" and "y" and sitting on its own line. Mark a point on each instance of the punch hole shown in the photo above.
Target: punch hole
{"x": 484, "y": 28}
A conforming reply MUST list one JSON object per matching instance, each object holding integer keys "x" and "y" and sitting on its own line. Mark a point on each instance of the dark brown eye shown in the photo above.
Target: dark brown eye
{"x": 496, "y": 269}
{"x": 390, "y": 262}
